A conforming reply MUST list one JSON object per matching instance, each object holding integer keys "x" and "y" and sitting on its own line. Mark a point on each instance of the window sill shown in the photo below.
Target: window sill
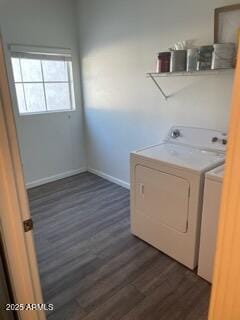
{"x": 20, "y": 115}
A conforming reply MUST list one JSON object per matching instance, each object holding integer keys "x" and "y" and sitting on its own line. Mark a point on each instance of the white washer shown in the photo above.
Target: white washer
{"x": 167, "y": 187}
{"x": 210, "y": 216}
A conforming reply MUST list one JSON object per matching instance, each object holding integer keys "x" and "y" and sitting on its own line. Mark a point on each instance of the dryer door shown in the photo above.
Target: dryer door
{"x": 162, "y": 197}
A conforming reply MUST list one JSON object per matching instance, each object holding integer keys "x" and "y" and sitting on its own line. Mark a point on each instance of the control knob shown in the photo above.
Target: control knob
{"x": 175, "y": 133}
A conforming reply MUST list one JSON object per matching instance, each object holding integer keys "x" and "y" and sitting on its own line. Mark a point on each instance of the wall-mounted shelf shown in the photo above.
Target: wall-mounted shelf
{"x": 154, "y": 75}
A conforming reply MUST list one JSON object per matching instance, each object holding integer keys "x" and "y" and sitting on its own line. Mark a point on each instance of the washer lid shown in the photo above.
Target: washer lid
{"x": 182, "y": 156}
{"x": 216, "y": 174}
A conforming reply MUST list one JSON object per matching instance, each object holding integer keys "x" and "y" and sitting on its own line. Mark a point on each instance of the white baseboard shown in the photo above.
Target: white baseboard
{"x": 63, "y": 175}
{"x": 103, "y": 175}
{"x": 40, "y": 182}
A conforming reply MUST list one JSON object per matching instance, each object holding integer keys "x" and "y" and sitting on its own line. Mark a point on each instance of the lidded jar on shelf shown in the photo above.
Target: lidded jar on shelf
{"x": 163, "y": 62}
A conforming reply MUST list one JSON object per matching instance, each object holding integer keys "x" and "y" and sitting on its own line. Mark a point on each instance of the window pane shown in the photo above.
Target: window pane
{"x": 57, "y": 95}
{"x": 16, "y": 70}
{"x": 31, "y": 70}
{"x": 55, "y": 70}
{"x": 70, "y": 71}
{"x": 35, "y": 97}
{"x": 20, "y": 98}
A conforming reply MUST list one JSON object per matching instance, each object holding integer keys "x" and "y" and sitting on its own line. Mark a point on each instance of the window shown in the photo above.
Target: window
{"x": 43, "y": 81}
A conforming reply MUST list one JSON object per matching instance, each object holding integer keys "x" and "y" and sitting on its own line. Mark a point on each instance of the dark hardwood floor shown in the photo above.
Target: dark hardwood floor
{"x": 92, "y": 268}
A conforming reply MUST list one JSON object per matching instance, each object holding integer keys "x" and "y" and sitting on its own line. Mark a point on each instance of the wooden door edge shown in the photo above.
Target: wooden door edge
{"x": 19, "y": 246}
{"x": 225, "y": 297}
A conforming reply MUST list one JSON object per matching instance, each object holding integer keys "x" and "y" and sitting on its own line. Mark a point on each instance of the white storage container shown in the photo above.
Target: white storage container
{"x": 224, "y": 55}
{"x": 192, "y": 59}
{"x": 178, "y": 60}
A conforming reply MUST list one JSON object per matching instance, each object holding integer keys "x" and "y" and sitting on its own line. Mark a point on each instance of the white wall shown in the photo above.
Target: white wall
{"x": 119, "y": 42}
{"x": 52, "y": 145}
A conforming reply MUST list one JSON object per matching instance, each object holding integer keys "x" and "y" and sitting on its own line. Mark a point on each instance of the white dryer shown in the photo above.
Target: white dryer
{"x": 167, "y": 187}
{"x": 210, "y": 217}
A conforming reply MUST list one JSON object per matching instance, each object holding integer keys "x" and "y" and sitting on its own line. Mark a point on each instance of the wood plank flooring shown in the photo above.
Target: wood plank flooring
{"x": 92, "y": 268}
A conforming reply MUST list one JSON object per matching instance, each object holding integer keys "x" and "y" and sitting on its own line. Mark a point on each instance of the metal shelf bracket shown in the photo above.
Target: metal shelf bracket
{"x": 158, "y": 86}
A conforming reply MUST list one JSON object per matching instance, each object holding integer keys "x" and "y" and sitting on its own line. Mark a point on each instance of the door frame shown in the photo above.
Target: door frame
{"x": 14, "y": 209}
{"x": 225, "y": 297}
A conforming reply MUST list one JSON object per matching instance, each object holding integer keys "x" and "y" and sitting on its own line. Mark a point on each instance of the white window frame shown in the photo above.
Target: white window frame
{"x": 45, "y": 53}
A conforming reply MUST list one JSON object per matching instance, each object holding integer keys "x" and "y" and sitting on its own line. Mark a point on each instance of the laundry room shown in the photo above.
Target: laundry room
{"x": 117, "y": 118}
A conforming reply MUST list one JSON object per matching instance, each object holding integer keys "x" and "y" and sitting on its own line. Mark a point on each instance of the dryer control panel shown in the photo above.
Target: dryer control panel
{"x": 200, "y": 138}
